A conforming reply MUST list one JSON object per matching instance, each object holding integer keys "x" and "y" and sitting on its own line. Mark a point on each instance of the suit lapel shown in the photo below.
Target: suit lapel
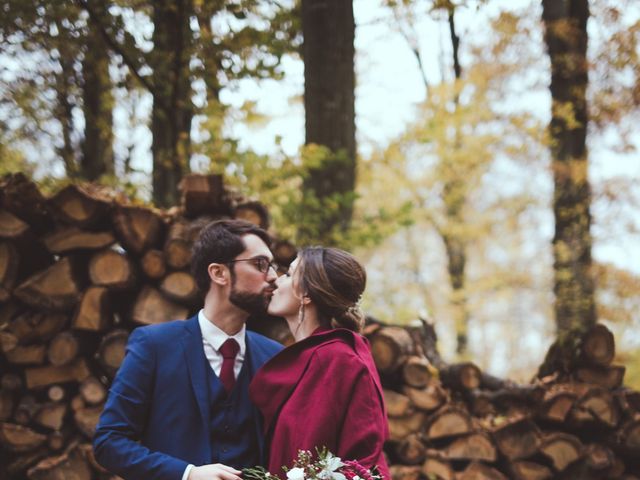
{"x": 194, "y": 355}
{"x": 255, "y": 353}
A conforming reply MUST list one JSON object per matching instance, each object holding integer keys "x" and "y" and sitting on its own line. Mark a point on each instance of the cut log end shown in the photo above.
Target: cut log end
{"x": 17, "y": 438}
{"x": 448, "y": 422}
{"x": 94, "y": 312}
{"x": 151, "y": 308}
{"x": 153, "y": 264}
{"x": 112, "y": 269}
{"x": 112, "y": 350}
{"x": 518, "y": 438}
{"x": 389, "y": 347}
{"x": 598, "y": 346}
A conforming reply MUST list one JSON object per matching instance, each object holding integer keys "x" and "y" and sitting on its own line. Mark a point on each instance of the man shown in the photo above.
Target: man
{"x": 179, "y": 408}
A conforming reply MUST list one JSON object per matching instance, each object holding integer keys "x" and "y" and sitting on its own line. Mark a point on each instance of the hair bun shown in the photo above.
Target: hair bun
{"x": 351, "y": 319}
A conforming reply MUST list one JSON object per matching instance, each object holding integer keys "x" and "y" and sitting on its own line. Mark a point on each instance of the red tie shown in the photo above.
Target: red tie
{"x": 229, "y": 350}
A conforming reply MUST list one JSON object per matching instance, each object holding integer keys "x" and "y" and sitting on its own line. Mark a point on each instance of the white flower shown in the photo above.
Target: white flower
{"x": 328, "y": 475}
{"x": 332, "y": 463}
{"x": 295, "y": 474}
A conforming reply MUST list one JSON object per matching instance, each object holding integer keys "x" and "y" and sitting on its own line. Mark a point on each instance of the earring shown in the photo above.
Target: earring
{"x": 300, "y": 317}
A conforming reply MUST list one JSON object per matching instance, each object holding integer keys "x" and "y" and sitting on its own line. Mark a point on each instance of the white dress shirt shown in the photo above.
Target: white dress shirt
{"x": 212, "y": 339}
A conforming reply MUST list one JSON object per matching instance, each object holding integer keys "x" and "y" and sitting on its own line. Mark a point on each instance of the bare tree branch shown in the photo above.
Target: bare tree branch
{"x": 455, "y": 42}
{"x": 113, "y": 44}
{"x": 413, "y": 45}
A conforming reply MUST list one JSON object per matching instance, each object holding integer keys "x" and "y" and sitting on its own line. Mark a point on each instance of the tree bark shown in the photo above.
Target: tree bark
{"x": 172, "y": 107}
{"x": 455, "y": 197}
{"x": 328, "y": 51}
{"x": 64, "y": 110}
{"x": 97, "y": 147}
{"x": 566, "y": 38}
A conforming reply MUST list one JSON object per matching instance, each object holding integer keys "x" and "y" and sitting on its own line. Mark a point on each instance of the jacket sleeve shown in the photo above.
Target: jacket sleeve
{"x": 121, "y": 425}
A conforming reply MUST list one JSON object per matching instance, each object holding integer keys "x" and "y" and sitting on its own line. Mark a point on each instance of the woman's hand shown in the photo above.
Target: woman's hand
{"x": 216, "y": 471}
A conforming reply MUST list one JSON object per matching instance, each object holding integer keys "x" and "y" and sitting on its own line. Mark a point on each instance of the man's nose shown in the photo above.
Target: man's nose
{"x": 272, "y": 275}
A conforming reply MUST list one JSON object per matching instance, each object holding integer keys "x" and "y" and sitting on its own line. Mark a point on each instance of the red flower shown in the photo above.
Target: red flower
{"x": 349, "y": 474}
{"x": 352, "y": 468}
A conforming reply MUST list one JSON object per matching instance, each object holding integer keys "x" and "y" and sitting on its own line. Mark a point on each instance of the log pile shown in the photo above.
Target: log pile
{"x": 454, "y": 422}
{"x": 79, "y": 271}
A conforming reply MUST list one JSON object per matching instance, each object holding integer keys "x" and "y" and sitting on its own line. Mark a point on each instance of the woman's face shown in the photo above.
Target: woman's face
{"x": 285, "y": 301}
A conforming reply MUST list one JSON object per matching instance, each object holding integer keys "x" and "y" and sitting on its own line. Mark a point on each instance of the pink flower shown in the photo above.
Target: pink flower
{"x": 354, "y": 468}
{"x": 349, "y": 474}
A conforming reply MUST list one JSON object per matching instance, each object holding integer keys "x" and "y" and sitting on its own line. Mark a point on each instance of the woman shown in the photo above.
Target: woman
{"x": 324, "y": 390}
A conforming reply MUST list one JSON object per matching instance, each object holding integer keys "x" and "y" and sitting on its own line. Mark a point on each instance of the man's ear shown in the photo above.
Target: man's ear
{"x": 218, "y": 273}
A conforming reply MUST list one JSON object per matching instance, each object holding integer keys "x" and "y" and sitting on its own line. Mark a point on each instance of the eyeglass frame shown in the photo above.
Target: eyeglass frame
{"x": 257, "y": 261}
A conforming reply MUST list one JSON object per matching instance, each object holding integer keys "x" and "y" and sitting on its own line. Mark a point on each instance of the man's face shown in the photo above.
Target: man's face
{"x": 252, "y": 289}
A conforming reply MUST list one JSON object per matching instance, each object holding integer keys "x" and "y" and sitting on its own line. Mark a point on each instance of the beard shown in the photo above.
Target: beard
{"x": 252, "y": 303}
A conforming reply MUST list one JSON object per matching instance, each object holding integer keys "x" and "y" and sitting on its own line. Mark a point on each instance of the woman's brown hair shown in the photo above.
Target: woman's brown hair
{"x": 334, "y": 280}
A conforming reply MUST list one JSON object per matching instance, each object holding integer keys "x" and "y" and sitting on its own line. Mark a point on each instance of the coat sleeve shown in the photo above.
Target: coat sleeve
{"x": 342, "y": 408}
{"x": 364, "y": 425}
{"x": 116, "y": 441}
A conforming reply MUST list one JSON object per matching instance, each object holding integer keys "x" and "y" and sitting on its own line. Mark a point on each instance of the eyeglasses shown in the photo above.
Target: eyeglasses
{"x": 263, "y": 264}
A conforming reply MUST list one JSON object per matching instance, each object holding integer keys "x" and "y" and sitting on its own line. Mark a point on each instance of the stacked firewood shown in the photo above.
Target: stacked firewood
{"x": 452, "y": 421}
{"x": 79, "y": 271}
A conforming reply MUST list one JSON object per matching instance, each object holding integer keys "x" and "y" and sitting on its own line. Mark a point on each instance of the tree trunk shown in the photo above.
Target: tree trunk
{"x": 456, "y": 262}
{"x": 172, "y": 108}
{"x": 328, "y": 51}
{"x": 454, "y": 197}
{"x": 566, "y": 39}
{"x": 97, "y": 148}
{"x": 64, "y": 113}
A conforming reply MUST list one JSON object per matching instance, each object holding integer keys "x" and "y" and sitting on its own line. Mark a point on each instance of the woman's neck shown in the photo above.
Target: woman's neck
{"x": 309, "y": 324}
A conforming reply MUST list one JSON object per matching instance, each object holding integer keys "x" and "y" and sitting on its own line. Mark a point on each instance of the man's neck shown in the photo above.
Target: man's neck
{"x": 227, "y": 318}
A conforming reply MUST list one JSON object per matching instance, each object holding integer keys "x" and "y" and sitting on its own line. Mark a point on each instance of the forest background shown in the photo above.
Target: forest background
{"x": 479, "y": 156}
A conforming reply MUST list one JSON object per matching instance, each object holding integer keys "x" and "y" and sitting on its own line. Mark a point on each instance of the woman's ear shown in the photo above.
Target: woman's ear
{"x": 306, "y": 300}
{"x": 218, "y": 273}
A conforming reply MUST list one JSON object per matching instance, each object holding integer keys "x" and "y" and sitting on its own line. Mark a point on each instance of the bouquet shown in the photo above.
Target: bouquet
{"x": 326, "y": 467}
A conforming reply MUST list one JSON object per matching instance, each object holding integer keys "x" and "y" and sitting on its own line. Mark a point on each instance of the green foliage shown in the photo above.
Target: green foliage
{"x": 47, "y": 41}
{"x": 463, "y": 247}
{"x": 277, "y": 181}
{"x": 614, "y": 76}
{"x": 228, "y": 41}
{"x": 617, "y": 295}
{"x": 13, "y": 161}
{"x": 631, "y": 360}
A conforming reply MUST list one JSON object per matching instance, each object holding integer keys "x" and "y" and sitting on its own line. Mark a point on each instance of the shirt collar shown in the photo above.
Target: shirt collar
{"x": 215, "y": 336}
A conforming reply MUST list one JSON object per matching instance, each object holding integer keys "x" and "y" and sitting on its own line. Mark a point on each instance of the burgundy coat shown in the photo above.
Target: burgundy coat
{"x": 323, "y": 391}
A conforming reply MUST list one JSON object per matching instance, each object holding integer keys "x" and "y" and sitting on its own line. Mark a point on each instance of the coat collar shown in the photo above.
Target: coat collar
{"x": 278, "y": 378}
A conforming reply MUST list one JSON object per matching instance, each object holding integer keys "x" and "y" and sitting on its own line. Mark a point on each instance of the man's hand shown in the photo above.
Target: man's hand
{"x": 216, "y": 471}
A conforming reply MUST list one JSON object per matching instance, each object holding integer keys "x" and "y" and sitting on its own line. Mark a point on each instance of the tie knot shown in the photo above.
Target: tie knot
{"x": 229, "y": 349}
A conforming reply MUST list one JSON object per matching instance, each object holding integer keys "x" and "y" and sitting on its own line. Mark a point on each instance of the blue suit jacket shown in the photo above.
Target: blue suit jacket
{"x": 156, "y": 419}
